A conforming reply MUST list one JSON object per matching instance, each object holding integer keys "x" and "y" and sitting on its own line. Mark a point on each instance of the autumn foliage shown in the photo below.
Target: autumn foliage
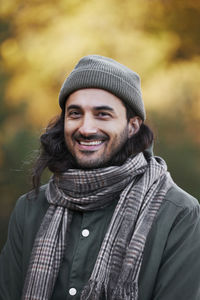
{"x": 42, "y": 40}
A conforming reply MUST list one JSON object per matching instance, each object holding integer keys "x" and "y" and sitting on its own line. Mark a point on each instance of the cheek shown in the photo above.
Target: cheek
{"x": 69, "y": 128}
{"x": 113, "y": 128}
{"x": 67, "y": 136}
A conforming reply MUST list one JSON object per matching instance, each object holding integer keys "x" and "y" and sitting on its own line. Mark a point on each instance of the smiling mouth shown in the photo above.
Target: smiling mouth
{"x": 90, "y": 146}
{"x": 90, "y": 143}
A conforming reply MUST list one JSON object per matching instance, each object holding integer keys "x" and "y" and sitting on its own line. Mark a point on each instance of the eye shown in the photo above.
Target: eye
{"x": 103, "y": 114}
{"x": 74, "y": 114}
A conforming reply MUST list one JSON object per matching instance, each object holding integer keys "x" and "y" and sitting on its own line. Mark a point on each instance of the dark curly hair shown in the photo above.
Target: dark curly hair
{"x": 55, "y": 156}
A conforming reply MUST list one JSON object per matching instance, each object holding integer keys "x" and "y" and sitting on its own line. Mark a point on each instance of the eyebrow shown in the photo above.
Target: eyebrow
{"x": 102, "y": 107}
{"x": 73, "y": 107}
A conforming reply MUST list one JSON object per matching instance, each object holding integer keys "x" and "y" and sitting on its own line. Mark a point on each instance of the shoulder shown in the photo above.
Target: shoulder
{"x": 32, "y": 198}
{"x": 27, "y": 217}
{"x": 178, "y": 207}
{"x": 28, "y": 205}
{"x": 179, "y": 198}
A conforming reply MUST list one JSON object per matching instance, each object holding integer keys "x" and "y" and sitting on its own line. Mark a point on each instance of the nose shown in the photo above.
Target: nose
{"x": 88, "y": 126}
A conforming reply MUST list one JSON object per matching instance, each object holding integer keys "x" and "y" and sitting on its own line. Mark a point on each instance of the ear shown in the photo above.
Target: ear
{"x": 134, "y": 126}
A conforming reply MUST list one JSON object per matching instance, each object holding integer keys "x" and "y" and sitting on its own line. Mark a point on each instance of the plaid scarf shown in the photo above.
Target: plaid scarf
{"x": 140, "y": 187}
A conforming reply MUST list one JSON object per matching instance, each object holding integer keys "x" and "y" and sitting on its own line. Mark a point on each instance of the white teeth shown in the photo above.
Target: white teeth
{"x": 92, "y": 143}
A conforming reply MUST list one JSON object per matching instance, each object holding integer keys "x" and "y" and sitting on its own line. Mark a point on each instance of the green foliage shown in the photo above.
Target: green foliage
{"x": 174, "y": 144}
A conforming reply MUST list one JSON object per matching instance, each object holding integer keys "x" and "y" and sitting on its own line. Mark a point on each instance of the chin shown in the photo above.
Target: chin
{"x": 92, "y": 164}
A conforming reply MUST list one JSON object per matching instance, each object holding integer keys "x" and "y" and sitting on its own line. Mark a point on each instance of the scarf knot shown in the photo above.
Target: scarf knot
{"x": 93, "y": 189}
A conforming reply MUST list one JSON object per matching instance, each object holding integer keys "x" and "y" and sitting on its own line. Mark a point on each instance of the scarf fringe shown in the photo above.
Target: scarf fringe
{"x": 94, "y": 291}
{"x": 126, "y": 291}
{"x": 99, "y": 291}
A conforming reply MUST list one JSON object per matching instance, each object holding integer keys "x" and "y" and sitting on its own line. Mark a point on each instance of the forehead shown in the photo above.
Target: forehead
{"x": 92, "y": 97}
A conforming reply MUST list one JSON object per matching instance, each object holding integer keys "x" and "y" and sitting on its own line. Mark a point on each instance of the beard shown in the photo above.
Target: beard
{"x": 113, "y": 157}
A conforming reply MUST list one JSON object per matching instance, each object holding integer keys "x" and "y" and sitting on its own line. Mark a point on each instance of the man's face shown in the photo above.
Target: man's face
{"x": 95, "y": 127}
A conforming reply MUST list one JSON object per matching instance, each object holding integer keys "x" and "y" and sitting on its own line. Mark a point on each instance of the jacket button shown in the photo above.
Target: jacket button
{"x": 85, "y": 232}
{"x": 72, "y": 291}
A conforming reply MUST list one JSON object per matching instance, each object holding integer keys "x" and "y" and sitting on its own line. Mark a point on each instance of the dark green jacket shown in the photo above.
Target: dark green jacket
{"x": 171, "y": 263}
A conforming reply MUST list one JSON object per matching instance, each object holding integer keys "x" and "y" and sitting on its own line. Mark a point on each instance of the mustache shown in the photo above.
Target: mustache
{"x": 79, "y": 136}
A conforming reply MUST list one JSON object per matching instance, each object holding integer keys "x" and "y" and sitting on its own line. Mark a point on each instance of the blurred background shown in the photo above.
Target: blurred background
{"x": 42, "y": 40}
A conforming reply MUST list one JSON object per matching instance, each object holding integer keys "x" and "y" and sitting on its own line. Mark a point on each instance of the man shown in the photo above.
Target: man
{"x": 111, "y": 223}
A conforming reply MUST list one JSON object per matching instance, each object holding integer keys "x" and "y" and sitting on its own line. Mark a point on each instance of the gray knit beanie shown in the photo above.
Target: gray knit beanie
{"x": 94, "y": 71}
